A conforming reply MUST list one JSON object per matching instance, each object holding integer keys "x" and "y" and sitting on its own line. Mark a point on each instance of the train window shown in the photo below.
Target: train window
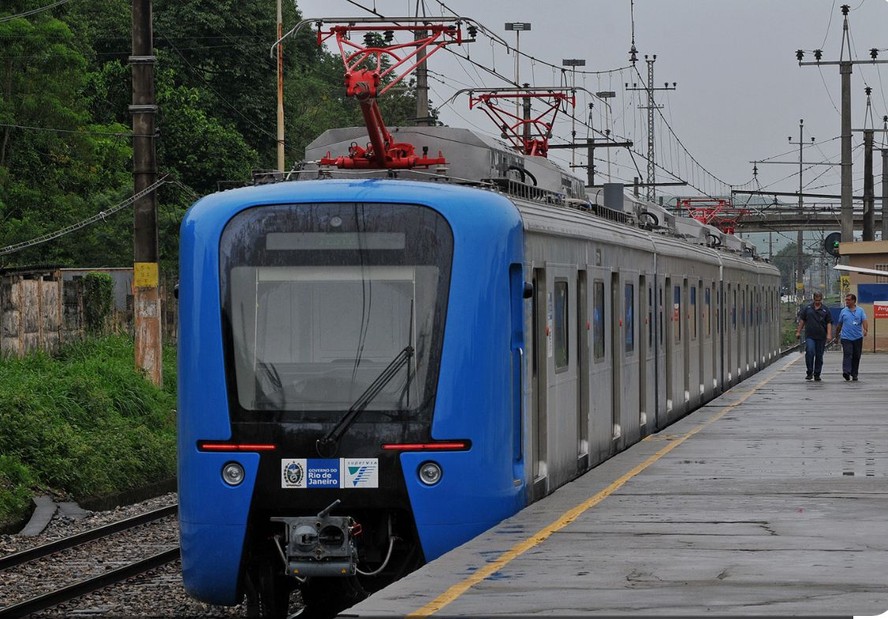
{"x": 629, "y": 316}
{"x": 650, "y": 321}
{"x": 660, "y": 305}
{"x": 707, "y": 302}
{"x": 598, "y": 319}
{"x": 734, "y": 312}
{"x": 561, "y": 324}
{"x": 323, "y": 300}
{"x": 676, "y": 312}
{"x": 693, "y": 312}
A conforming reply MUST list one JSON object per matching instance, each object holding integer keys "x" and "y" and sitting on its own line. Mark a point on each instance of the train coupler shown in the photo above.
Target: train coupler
{"x": 321, "y": 545}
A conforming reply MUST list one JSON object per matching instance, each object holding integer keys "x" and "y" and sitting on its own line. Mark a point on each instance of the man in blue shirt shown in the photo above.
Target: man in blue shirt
{"x": 816, "y": 320}
{"x": 852, "y": 327}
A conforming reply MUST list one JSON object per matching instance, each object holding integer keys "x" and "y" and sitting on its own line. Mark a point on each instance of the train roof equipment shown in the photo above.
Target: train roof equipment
{"x": 719, "y": 212}
{"x": 370, "y": 72}
{"x": 527, "y": 133}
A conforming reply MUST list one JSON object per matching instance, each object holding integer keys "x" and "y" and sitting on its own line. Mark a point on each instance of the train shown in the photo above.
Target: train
{"x": 376, "y": 366}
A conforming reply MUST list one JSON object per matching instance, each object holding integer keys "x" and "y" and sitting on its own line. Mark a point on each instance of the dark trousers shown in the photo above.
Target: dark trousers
{"x": 814, "y": 355}
{"x": 851, "y": 350}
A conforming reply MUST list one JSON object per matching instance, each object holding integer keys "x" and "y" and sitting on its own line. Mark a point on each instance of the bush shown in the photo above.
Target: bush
{"x": 98, "y": 300}
{"x": 82, "y": 424}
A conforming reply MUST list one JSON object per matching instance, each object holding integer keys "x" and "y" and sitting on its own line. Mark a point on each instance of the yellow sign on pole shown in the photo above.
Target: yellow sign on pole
{"x": 846, "y": 284}
{"x": 145, "y": 275}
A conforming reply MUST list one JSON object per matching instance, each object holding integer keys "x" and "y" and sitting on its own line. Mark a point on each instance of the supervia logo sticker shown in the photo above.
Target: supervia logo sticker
{"x": 360, "y": 473}
{"x": 343, "y": 473}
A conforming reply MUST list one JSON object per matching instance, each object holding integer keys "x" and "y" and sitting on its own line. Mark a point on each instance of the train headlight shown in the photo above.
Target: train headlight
{"x": 430, "y": 473}
{"x": 233, "y": 474}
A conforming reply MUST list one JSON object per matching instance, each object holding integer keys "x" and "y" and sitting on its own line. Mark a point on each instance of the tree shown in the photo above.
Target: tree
{"x": 65, "y": 125}
{"x": 56, "y": 165}
{"x": 785, "y": 260}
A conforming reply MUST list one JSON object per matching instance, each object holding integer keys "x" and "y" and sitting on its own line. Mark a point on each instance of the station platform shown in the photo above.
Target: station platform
{"x": 770, "y": 500}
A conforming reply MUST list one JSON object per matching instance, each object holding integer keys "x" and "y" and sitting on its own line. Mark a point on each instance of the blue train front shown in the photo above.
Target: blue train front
{"x": 349, "y": 385}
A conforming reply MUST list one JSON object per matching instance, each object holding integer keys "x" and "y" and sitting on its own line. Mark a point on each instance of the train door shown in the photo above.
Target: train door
{"x": 563, "y": 398}
{"x": 600, "y": 372}
{"x": 631, "y": 395}
{"x": 583, "y": 330}
{"x": 669, "y": 338}
{"x": 686, "y": 345}
{"x": 744, "y": 333}
{"x": 660, "y": 355}
{"x": 616, "y": 358}
{"x": 711, "y": 327}
{"x": 735, "y": 336}
{"x": 541, "y": 344}
{"x": 757, "y": 327}
{"x": 644, "y": 326}
{"x": 695, "y": 359}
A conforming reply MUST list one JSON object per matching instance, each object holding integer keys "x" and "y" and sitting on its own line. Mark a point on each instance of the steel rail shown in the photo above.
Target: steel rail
{"x": 54, "y": 598}
{"x": 24, "y": 556}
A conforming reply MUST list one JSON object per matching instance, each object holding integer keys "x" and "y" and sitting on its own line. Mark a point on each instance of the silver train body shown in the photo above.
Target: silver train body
{"x": 636, "y": 316}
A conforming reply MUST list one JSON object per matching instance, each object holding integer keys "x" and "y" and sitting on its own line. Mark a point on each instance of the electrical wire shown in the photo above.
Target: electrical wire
{"x": 33, "y": 11}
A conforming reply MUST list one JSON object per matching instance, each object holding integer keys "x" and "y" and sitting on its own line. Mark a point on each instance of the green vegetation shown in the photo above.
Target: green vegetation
{"x": 82, "y": 424}
{"x": 788, "y": 323}
{"x": 65, "y": 125}
{"x": 98, "y": 299}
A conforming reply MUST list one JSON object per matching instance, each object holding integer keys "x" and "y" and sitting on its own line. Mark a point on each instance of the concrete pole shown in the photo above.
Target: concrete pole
{"x": 847, "y": 207}
{"x": 280, "y": 88}
{"x": 800, "y": 238}
{"x": 146, "y": 270}
{"x": 869, "y": 197}
{"x": 885, "y": 194}
{"x": 422, "y": 77}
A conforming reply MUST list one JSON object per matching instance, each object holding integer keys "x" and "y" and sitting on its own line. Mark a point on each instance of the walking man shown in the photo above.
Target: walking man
{"x": 852, "y": 327}
{"x": 816, "y": 320}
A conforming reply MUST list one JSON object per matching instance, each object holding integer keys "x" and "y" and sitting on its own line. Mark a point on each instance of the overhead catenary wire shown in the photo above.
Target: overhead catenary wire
{"x": 100, "y": 216}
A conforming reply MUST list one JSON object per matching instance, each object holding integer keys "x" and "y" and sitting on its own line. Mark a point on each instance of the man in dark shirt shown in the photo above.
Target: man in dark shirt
{"x": 816, "y": 319}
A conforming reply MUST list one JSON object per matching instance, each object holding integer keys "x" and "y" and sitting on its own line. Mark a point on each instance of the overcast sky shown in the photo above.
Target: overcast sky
{"x": 740, "y": 90}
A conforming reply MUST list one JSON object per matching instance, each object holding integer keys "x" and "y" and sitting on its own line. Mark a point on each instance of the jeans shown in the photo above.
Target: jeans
{"x": 851, "y": 350}
{"x": 814, "y": 355}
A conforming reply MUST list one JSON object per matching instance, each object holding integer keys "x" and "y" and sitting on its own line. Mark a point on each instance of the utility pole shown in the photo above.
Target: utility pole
{"x": 650, "y": 107}
{"x": 573, "y": 63}
{"x": 884, "y": 183}
{"x": 146, "y": 270}
{"x": 280, "y": 88}
{"x": 518, "y": 27}
{"x": 845, "y": 69}
{"x": 422, "y": 76}
{"x": 869, "y": 196}
{"x": 604, "y": 95}
{"x": 800, "y": 284}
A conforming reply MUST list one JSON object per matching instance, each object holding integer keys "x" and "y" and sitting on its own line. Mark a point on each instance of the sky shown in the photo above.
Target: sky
{"x": 739, "y": 96}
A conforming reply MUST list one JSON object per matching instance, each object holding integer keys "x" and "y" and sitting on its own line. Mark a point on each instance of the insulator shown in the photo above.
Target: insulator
{"x": 368, "y": 39}
{"x": 818, "y": 54}
{"x": 473, "y": 30}
{"x": 800, "y": 54}
{"x": 874, "y": 53}
{"x": 389, "y": 36}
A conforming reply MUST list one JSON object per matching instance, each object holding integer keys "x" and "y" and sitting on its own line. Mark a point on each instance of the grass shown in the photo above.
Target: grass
{"x": 788, "y": 323}
{"x": 83, "y": 423}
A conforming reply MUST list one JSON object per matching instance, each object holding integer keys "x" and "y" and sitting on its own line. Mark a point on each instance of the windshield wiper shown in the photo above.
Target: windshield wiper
{"x": 385, "y": 377}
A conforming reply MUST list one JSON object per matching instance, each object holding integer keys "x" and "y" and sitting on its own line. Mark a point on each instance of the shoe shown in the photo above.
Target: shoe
{"x": 846, "y": 376}
{"x": 817, "y": 378}
{"x": 854, "y": 378}
{"x": 808, "y": 376}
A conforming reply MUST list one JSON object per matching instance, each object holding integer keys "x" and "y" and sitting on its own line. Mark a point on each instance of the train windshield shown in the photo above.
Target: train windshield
{"x": 321, "y": 300}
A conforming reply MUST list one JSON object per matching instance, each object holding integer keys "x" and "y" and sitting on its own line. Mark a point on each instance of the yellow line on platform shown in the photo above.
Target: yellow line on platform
{"x": 569, "y": 516}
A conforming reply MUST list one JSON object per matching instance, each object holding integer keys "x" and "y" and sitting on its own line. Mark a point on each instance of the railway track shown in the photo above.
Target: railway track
{"x": 84, "y": 584}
